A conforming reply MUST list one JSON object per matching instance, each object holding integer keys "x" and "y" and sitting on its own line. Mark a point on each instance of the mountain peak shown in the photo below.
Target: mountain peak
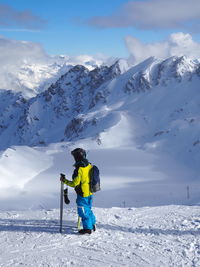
{"x": 153, "y": 72}
{"x": 120, "y": 66}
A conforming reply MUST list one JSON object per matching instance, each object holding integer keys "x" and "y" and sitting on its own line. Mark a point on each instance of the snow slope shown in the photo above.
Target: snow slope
{"x": 29, "y": 177}
{"x": 157, "y": 236}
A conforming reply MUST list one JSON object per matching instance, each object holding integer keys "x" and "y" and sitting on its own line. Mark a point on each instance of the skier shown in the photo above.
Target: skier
{"x": 81, "y": 180}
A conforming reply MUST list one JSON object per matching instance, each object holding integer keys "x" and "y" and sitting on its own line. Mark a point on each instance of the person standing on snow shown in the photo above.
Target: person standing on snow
{"x": 81, "y": 183}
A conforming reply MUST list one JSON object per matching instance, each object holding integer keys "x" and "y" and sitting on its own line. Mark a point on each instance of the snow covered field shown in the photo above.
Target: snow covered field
{"x": 150, "y": 236}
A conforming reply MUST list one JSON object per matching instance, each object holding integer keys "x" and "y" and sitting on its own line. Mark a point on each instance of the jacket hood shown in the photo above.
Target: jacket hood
{"x": 82, "y": 163}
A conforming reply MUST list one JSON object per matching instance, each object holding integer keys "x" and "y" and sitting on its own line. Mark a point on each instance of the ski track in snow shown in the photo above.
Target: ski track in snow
{"x": 150, "y": 236}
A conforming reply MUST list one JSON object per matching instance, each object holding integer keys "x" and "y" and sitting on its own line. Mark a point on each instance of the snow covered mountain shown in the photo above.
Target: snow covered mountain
{"x": 52, "y": 114}
{"x": 154, "y": 104}
{"x": 32, "y": 78}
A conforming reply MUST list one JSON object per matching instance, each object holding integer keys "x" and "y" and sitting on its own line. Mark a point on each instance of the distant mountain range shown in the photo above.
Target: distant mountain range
{"x": 33, "y": 78}
{"x": 155, "y": 104}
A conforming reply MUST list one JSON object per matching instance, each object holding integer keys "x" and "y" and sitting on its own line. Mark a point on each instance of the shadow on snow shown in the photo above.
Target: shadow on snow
{"x": 149, "y": 231}
{"x": 46, "y": 226}
{"x": 69, "y": 227}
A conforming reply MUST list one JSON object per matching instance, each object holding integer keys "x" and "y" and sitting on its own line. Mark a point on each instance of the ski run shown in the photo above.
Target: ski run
{"x": 148, "y": 236}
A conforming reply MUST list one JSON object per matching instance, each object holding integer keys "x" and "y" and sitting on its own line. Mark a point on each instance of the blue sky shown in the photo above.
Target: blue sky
{"x": 75, "y": 27}
{"x": 62, "y": 34}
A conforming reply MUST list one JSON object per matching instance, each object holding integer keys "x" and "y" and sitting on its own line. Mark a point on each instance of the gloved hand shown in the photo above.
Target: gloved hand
{"x": 66, "y": 199}
{"x": 62, "y": 177}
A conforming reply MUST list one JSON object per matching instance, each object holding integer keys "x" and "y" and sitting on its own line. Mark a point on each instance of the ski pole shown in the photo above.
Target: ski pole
{"x": 61, "y": 205}
{"x": 79, "y": 222}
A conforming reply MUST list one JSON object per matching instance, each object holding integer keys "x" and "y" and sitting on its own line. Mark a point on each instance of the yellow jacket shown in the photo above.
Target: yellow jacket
{"x": 81, "y": 179}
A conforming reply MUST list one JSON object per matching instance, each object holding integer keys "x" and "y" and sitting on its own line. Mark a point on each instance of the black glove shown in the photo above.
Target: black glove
{"x": 66, "y": 199}
{"x": 62, "y": 177}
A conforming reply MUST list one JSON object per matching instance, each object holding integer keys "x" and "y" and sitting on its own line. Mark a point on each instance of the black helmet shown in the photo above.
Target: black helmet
{"x": 78, "y": 154}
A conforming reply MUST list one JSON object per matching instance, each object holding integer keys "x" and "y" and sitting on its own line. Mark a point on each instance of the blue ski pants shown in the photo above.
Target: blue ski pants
{"x": 84, "y": 208}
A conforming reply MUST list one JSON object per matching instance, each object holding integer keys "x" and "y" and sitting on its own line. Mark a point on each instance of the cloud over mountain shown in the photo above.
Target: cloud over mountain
{"x": 15, "y": 51}
{"x": 178, "y": 44}
{"x": 25, "y": 65}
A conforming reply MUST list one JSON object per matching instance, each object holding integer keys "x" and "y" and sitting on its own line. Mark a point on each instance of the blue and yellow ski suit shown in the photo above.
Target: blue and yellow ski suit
{"x": 81, "y": 183}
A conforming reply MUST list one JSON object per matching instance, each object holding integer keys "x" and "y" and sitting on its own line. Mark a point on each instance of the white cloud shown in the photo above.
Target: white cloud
{"x": 178, "y": 44}
{"x": 15, "y": 52}
{"x": 91, "y": 61}
{"x": 153, "y": 14}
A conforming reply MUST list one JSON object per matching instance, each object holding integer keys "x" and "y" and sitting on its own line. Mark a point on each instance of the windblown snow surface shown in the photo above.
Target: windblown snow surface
{"x": 156, "y": 236}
